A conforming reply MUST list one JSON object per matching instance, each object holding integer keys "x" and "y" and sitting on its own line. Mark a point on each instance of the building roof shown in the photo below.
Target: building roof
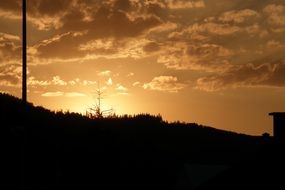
{"x": 277, "y": 114}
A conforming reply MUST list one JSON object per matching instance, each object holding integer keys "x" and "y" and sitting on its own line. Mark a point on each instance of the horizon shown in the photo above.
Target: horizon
{"x": 216, "y": 63}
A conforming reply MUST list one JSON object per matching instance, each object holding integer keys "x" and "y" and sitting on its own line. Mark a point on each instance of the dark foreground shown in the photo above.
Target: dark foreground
{"x": 47, "y": 150}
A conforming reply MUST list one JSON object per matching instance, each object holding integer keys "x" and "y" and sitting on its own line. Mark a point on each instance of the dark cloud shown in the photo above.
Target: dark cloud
{"x": 93, "y": 20}
{"x": 8, "y": 79}
{"x": 61, "y": 46}
{"x": 277, "y": 77}
{"x": 123, "y": 5}
{"x": 77, "y": 45}
{"x": 196, "y": 56}
{"x": 245, "y": 76}
{"x": 151, "y": 47}
{"x": 47, "y": 7}
{"x": 10, "y": 5}
{"x": 37, "y": 7}
{"x": 109, "y": 20}
{"x": 10, "y": 75}
{"x": 9, "y": 52}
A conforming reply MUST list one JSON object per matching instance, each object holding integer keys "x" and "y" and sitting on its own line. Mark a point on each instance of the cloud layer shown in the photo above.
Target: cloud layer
{"x": 230, "y": 44}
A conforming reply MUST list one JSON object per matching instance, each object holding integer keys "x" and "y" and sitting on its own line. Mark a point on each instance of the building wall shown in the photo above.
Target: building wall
{"x": 279, "y": 128}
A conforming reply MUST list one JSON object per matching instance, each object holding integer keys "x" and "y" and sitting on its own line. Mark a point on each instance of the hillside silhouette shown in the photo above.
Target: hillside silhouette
{"x": 62, "y": 150}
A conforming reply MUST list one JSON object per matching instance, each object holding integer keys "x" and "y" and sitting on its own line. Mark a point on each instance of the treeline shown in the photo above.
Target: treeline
{"x": 61, "y": 150}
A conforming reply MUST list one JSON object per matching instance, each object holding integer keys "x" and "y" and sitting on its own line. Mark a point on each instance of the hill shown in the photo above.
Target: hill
{"x": 56, "y": 150}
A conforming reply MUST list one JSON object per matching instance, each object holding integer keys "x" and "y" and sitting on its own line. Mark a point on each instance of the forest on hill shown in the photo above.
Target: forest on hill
{"x": 62, "y": 150}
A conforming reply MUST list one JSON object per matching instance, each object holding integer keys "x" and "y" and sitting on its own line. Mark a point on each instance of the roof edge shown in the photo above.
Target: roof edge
{"x": 277, "y": 113}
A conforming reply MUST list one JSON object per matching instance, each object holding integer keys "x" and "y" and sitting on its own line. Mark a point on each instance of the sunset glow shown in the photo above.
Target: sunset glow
{"x": 219, "y": 63}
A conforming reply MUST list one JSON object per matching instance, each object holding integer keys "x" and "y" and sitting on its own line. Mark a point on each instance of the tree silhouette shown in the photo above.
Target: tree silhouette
{"x": 24, "y": 53}
{"x": 96, "y": 110}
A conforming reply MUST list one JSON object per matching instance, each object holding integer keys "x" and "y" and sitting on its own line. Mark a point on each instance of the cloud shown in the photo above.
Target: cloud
{"x": 136, "y": 29}
{"x": 185, "y": 4}
{"x": 57, "y": 81}
{"x": 207, "y": 57}
{"x": 34, "y": 82}
{"x": 151, "y": 47}
{"x": 53, "y": 94}
{"x": 110, "y": 29}
{"x": 276, "y": 78}
{"x": 164, "y": 27}
{"x": 117, "y": 19}
{"x": 66, "y": 94}
{"x": 136, "y": 83}
{"x": 206, "y": 31}
{"x": 63, "y": 46}
{"x": 8, "y": 37}
{"x": 11, "y": 9}
{"x": 276, "y": 14}
{"x": 41, "y": 13}
{"x": 273, "y": 44}
{"x": 96, "y": 20}
{"x": 76, "y": 46}
{"x": 46, "y": 8}
{"x": 130, "y": 74}
{"x": 109, "y": 82}
{"x": 121, "y": 88}
{"x": 214, "y": 28}
{"x": 218, "y": 43}
{"x": 248, "y": 75}
{"x": 164, "y": 83}
{"x": 238, "y": 16}
{"x": 103, "y": 45}
{"x": 215, "y": 38}
{"x": 9, "y": 15}
{"x": 10, "y": 53}
{"x": 10, "y": 75}
{"x": 104, "y": 73}
{"x": 10, "y": 5}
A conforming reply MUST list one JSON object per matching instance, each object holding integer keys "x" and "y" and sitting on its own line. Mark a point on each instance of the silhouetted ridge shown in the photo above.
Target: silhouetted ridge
{"x": 63, "y": 150}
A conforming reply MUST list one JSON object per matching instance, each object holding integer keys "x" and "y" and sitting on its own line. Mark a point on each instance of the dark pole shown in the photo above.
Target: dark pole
{"x": 24, "y": 53}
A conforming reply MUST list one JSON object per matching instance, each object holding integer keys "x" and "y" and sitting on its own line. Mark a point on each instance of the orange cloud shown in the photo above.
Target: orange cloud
{"x": 66, "y": 94}
{"x": 57, "y": 81}
{"x": 10, "y": 75}
{"x": 121, "y": 88}
{"x": 245, "y": 76}
{"x": 185, "y": 4}
{"x": 276, "y": 14}
{"x": 105, "y": 73}
{"x": 239, "y": 16}
{"x": 207, "y": 57}
{"x": 164, "y": 83}
{"x": 53, "y": 94}
{"x": 10, "y": 53}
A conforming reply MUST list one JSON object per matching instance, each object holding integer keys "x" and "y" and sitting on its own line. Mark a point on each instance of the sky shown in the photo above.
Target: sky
{"x": 218, "y": 63}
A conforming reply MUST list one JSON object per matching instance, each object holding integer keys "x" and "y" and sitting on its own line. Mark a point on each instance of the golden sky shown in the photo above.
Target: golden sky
{"x": 215, "y": 62}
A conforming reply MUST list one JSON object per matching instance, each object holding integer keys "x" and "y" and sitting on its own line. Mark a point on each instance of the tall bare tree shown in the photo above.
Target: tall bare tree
{"x": 24, "y": 52}
{"x": 96, "y": 111}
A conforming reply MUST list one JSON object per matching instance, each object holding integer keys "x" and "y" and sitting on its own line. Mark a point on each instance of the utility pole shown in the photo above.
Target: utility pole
{"x": 24, "y": 52}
